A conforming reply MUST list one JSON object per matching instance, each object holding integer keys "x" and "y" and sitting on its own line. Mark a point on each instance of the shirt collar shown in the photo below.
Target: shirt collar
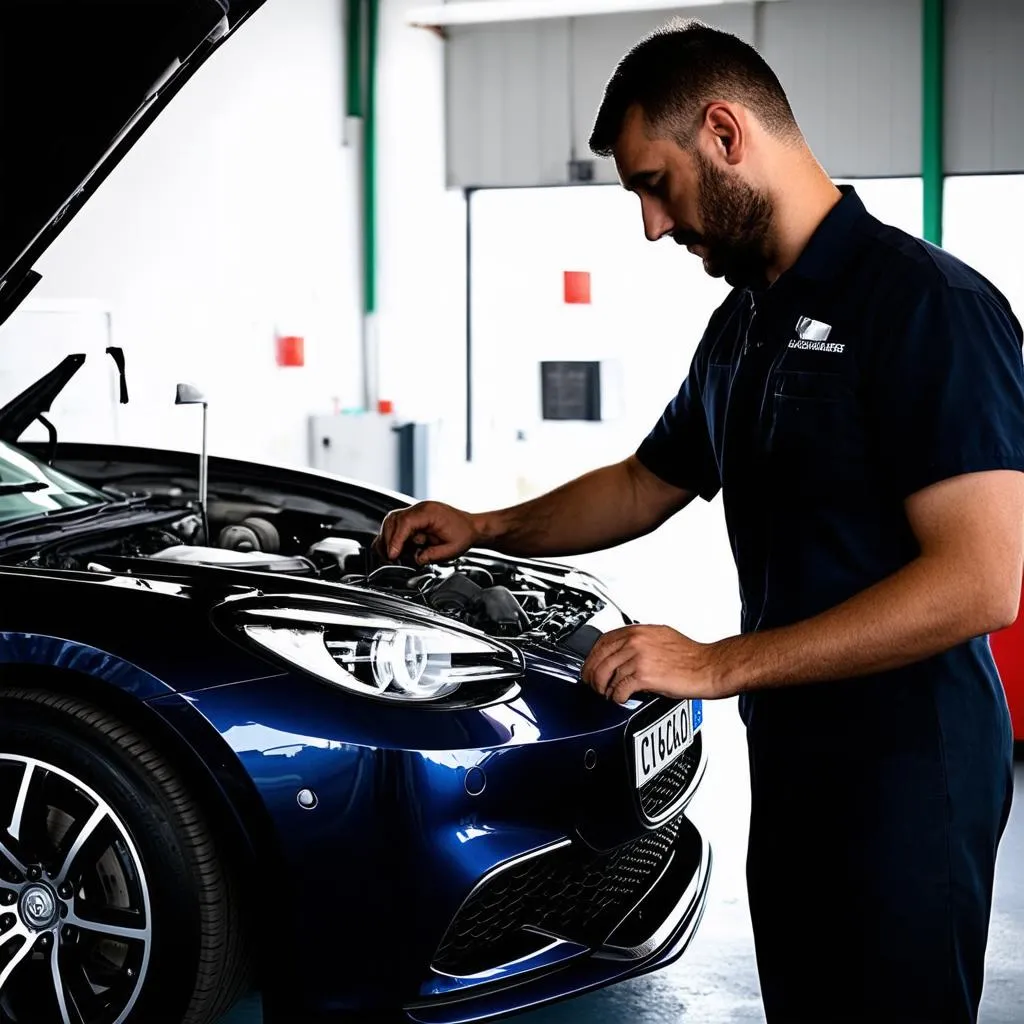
{"x": 827, "y": 253}
{"x": 831, "y": 246}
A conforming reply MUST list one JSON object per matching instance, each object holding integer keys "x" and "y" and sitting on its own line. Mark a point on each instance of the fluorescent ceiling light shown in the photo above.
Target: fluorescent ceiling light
{"x": 480, "y": 12}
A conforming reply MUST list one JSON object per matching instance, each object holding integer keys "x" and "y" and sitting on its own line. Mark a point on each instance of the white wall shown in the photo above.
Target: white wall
{"x": 421, "y": 325}
{"x": 234, "y": 218}
{"x": 983, "y": 223}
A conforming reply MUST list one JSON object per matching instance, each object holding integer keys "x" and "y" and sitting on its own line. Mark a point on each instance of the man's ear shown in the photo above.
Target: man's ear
{"x": 726, "y": 130}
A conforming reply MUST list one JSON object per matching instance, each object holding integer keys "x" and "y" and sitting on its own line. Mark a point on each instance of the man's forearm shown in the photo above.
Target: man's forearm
{"x": 598, "y": 510}
{"x": 922, "y": 610}
{"x": 579, "y": 517}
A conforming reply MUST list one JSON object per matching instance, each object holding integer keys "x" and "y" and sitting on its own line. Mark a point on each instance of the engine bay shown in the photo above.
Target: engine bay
{"x": 498, "y": 596}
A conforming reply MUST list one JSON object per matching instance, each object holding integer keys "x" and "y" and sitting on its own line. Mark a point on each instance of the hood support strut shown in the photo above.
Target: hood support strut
{"x": 19, "y": 413}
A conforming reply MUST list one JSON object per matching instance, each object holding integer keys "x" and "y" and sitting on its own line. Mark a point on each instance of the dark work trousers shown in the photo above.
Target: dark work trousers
{"x": 873, "y": 839}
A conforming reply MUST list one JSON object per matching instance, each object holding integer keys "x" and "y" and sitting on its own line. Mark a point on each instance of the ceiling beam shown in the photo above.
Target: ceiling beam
{"x": 485, "y": 12}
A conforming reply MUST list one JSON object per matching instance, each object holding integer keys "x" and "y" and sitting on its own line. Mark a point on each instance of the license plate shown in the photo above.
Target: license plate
{"x": 657, "y": 746}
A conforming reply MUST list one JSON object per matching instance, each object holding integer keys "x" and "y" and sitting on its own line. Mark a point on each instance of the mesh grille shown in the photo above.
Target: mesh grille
{"x": 573, "y": 893}
{"x": 669, "y": 784}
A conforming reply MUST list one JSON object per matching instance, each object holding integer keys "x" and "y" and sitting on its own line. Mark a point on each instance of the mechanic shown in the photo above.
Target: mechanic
{"x": 859, "y": 400}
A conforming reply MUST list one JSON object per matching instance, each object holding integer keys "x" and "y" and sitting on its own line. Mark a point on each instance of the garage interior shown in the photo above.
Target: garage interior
{"x": 382, "y": 248}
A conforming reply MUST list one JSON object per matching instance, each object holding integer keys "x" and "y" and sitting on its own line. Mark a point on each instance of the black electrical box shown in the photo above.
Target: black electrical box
{"x": 570, "y": 390}
{"x": 581, "y": 170}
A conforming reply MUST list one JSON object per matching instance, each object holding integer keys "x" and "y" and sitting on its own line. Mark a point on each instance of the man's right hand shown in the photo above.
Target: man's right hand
{"x": 438, "y": 531}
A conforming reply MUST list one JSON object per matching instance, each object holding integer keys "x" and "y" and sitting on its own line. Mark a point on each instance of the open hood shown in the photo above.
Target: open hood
{"x": 80, "y": 81}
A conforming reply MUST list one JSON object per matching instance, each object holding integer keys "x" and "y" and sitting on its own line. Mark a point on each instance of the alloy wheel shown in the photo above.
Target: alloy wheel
{"x": 75, "y": 920}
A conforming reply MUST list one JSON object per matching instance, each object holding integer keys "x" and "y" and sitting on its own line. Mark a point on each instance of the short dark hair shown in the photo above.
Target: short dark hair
{"x": 672, "y": 72}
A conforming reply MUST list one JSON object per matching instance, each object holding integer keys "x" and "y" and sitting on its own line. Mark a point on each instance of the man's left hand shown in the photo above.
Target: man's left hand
{"x": 654, "y": 659}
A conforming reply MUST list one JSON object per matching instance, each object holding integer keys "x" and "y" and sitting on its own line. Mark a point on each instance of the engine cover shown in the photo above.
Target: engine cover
{"x": 260, "y": 561}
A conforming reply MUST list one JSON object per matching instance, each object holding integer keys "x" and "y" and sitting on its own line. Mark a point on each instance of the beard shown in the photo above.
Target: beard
{"x": 737, "y": 219}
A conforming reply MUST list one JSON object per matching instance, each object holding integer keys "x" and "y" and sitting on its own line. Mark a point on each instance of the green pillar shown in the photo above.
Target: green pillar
{"x": 370, "y": 161}
{"x": 362, "y": 32}
{"x": 354, "y": 58}
{"x": 932, "y": 87}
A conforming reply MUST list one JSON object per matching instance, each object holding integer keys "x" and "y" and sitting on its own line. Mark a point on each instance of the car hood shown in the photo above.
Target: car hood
{"x": 80, "y": 82}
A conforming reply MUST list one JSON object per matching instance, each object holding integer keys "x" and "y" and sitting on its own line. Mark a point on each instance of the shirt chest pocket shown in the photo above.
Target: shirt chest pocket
{"x": 716, "y": 404}
{"x": 812, "y": 423}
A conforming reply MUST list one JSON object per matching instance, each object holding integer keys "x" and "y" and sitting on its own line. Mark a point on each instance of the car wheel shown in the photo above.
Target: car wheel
{"x": 115, "y": 905}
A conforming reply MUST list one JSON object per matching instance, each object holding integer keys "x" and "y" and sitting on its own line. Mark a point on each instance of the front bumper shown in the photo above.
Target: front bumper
{"x": 376, "y": 883}
{"x": 654, "y": 933}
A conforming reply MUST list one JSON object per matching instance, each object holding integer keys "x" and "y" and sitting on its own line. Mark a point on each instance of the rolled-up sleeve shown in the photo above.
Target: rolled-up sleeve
{"x": 678, "y": 449}
{"x": 946, "y": 392}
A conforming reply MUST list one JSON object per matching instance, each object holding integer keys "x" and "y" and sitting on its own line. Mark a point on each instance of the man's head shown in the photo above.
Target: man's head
{"x": 692, "y": 116}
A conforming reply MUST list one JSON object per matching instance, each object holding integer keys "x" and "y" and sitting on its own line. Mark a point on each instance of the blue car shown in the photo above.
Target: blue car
{"x": 237, "y": 751}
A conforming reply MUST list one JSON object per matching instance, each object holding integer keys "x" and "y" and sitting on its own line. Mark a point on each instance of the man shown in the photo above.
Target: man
{"x": 859, "y": 399}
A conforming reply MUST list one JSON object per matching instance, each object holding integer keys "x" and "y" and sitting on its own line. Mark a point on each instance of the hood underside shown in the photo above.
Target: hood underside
{"x": 80, "y": 81}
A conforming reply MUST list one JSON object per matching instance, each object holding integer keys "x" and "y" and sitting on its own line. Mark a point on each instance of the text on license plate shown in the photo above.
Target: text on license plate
{"x": 657, "y": 746}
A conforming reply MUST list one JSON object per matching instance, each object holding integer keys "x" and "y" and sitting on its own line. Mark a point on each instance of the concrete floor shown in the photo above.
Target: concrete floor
{"x": 715, "y": 982}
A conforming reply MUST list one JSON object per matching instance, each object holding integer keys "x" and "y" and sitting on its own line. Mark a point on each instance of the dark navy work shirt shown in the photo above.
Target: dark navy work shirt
{"x": 876, "y": 366}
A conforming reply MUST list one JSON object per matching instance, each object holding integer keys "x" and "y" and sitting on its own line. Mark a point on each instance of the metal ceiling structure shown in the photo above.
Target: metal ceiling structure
{"x": 489, "y": 12}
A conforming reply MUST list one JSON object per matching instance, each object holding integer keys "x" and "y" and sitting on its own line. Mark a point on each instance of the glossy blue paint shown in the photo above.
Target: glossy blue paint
{"x": 395, "y": 843}
{"x": 696, "y": 714}
{"x": 160, "y": 625}
{"x": 558, "y": 953}
{"x": 39, "y": 650}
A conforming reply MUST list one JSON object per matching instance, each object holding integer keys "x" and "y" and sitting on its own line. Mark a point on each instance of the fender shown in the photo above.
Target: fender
{"x": 39, "y": 650}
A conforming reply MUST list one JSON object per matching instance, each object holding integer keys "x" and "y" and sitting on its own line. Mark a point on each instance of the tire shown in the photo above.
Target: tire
{"x": 150, "y": 864}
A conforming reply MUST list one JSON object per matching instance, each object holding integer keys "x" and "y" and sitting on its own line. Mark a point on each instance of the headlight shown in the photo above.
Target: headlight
{"x": 384, "y": 656}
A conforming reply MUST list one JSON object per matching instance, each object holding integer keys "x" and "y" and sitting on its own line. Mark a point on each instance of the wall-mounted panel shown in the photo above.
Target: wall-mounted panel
{"x": 508, "y": 104}
{"x": 984, "y": 86}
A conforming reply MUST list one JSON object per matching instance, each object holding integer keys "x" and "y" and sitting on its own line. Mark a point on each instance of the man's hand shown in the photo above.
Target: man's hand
{"x": 439, "y": 531}
{"x": 653, "y": 659}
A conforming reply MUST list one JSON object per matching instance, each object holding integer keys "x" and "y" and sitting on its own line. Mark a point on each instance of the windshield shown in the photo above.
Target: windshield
{"x": 46, "y": 490}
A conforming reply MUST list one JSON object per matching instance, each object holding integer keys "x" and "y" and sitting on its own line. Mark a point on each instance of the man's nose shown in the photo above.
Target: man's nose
{"x": 657, "y": 223}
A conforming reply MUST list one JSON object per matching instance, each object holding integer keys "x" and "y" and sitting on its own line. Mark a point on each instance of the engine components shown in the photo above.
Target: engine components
{"x": 252, "y": 534}
{"x": 490, "y": 594}
{"x": 504, "y": 611}
{"x": 456, "y": 596}
{"x": 393, "y": 577}
{"x": 260, "y": 561}
{"x": 492, "y": 608}
{"x": 342, "y": 553}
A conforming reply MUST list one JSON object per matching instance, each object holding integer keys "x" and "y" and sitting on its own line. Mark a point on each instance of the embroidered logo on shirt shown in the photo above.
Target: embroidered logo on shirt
{"x": 812, "y": 336}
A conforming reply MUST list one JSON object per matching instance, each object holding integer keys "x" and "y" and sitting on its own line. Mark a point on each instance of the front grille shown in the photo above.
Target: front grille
{"x": 573, "y": 893}
{"x": 670, "y": 783}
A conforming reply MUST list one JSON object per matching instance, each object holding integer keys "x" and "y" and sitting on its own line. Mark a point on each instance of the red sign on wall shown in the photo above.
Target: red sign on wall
{"x": 577, "y": 287}
{"x": 291, "y": 351}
